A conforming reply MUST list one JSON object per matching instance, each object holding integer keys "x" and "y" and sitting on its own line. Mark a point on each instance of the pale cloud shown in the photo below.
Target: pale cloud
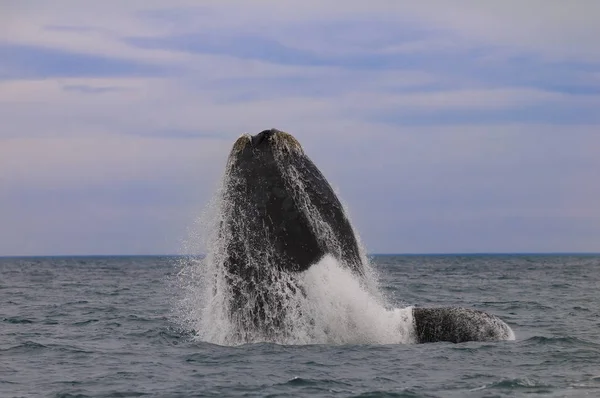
{"x": 446, "y": 126}
{"x": 552, "y": 28}
{"x": 93, "y": 158}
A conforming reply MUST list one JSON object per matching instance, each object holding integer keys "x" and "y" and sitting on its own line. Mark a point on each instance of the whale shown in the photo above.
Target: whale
{"x": 280, "y": 216}
{"x": 457, "y": 325}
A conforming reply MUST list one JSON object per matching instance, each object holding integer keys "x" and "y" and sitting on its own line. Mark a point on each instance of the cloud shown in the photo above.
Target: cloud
{"x": 462, "y": 126}
{"x": 86, "y": 89}
{"x": 39, "y": 62}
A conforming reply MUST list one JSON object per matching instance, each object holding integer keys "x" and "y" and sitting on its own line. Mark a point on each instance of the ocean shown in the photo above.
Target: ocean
{"x": 126, "y": 327}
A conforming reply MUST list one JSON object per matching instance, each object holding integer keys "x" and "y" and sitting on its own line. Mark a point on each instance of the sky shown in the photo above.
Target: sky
{"x": 445, "y": 126}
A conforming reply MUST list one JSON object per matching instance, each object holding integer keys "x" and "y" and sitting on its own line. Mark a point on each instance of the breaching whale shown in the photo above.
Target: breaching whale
{"x": 279, "y": 216}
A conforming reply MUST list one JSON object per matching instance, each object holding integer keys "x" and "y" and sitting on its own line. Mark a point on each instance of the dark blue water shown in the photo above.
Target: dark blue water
{"x": 108, "y": 327}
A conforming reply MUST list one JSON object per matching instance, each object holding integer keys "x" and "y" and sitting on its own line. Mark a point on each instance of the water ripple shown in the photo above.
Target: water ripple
{"x": 98, "y": 327}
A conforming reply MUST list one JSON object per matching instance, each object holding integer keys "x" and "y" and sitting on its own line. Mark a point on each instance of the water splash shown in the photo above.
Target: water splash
{"x": 328, "y": 303}
{"x": 332, "y": 307}
{"x": 345, "y": 311}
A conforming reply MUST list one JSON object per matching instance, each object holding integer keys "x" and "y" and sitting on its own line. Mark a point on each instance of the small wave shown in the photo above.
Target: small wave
{"x": 563, "y": 340}
{"x": 32, "y": 346}
{"x": 579, "y": 308}
{"x": 124, "y": 394}
{"x": 83, "y": 323}
{"x": 523, "y": 383}
{"x": 528, "y": 305}
{"x": 115, "y": 394}
{"x": 561, "y": 286}
{"x": 299, "y": 381}
{"x": 17, "y": 320}
{"x": 69, "y": 382}
{"x": 316, "y": 387}
{"x": 137, "y": 318}
{"x": 390, "y": 394}
{"x": 168, "y": 335}
{"x": 472, "y": 347}
{"x": 25, "y": 347}
{"x": 71, "y": 395}
{"x": 76, "y": 302}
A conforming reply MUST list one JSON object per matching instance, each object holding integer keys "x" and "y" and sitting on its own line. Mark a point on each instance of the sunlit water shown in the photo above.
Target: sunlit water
{"x": 125, "y": 326}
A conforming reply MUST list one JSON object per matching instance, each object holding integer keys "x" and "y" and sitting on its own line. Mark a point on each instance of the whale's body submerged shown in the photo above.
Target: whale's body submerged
{"x": 279, "y": 217}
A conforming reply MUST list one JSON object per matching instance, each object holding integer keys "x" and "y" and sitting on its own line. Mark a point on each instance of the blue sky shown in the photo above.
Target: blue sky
{"x": 461, "y": 126}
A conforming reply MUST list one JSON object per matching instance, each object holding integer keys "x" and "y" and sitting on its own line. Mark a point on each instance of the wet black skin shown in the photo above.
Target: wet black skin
{"x": 456, "y": 325}
{"x": 265, "y": 217}
{"x": 273, "y": 216}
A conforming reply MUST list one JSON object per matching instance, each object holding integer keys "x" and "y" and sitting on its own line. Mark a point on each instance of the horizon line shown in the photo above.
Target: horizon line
{"x": 368, "y": 254}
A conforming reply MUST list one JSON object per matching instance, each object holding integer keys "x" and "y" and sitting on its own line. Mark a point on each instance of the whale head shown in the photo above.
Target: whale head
{"x": 282, "y": 206}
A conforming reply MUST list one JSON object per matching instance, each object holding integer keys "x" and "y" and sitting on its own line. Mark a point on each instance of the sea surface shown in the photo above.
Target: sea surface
{"x": 113, "y": 327}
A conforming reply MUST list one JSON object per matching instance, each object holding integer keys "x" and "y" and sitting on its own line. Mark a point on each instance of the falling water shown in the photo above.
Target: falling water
{"x": 325, "y": 304}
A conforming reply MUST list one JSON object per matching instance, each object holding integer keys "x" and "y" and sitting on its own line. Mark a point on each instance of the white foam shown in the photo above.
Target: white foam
{"x": 334, "y": 308}
{"x": 344, "y": 311}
